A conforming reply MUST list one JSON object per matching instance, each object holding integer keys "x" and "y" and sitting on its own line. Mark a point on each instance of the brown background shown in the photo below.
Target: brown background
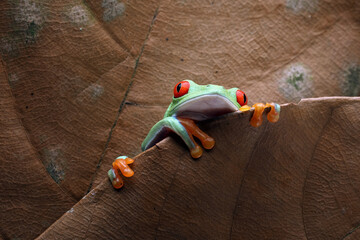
{"x": 83, "y": 81}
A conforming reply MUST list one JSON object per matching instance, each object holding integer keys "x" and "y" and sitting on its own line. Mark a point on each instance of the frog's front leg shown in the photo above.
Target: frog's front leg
{"x": 272, "y": 116}
{"x": 193, "y": 130}
{"x": 185, "y": 128}
{"x": 120, "y": 165}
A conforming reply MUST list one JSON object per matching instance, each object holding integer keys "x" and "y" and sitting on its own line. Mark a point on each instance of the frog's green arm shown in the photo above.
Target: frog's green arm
{"x": 162, "y": 128}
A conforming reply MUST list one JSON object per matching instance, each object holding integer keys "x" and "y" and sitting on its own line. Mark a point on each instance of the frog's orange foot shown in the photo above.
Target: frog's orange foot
{"x": 272, "y": 116}
{"x": 193, "y": 130}
{"x": 197, "y": 151}
{"x": 120, "y": 165}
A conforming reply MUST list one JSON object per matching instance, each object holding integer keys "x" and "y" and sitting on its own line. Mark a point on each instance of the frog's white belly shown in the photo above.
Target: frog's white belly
{"x": 205, "y": 107}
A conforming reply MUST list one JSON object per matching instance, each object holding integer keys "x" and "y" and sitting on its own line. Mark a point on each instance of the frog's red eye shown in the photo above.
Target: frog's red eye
{"x": 181, "y": 89}
{"x": 241, "y": 97}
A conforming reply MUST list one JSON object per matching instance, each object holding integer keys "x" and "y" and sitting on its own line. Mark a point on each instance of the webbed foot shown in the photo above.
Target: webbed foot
{"x": 272, "y": 116}
{"x": 120, "y": 165}
{"x": 193, "y": 130}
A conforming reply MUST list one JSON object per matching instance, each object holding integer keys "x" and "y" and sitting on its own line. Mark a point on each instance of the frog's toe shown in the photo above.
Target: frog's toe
{"x": 191, "y": 131}
{"x": 256, "y": 119}
{"x": 208, "y": 143}
{"x": 115, "y": 178}
{"x": 121, "y": 163}
{"x": 196, "y": 152}
{"x": 274, "y": 114}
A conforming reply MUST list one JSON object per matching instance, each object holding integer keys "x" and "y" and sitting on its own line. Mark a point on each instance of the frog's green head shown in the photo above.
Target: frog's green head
{"x": 201, "y": 102}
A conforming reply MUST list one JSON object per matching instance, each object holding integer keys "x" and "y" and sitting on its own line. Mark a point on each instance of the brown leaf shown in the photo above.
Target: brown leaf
{"x": 27, "y": 192}
{"x": 88, "y": 79}
{"x": 295, "y": 179}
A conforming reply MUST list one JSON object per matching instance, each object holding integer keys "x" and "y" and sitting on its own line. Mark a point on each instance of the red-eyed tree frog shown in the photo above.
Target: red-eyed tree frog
{"x": 191, "y": 103}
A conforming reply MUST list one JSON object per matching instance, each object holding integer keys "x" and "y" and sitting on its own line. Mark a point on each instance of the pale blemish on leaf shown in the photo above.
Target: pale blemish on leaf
{"x": 96, "y": 90}
{"x": 28, "y": 18}
{"x": 295, "y": 82}
{"x": 298, "y": 6}
{"x": 6, "y": 45}
{"x": 112, "y": 9}
{"x": 29, "y": 11}
{"x": 55, "y": 172}
{"x": 351, "y": 85}
{"x": 79, "y": 15}
{"x": 295, "y": 79}
{"x": 13, "y": 79}
{"x": 54, "y": 162}
{"x": 90, "y": 94}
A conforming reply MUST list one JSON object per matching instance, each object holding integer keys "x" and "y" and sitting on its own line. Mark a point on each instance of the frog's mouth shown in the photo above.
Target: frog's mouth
{"x": 205, "y": 107}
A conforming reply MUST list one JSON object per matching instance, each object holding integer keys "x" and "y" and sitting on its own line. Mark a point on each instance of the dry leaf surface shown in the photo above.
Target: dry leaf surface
{"x": 83, "y": 81}
{"x": 296, "y": 179}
